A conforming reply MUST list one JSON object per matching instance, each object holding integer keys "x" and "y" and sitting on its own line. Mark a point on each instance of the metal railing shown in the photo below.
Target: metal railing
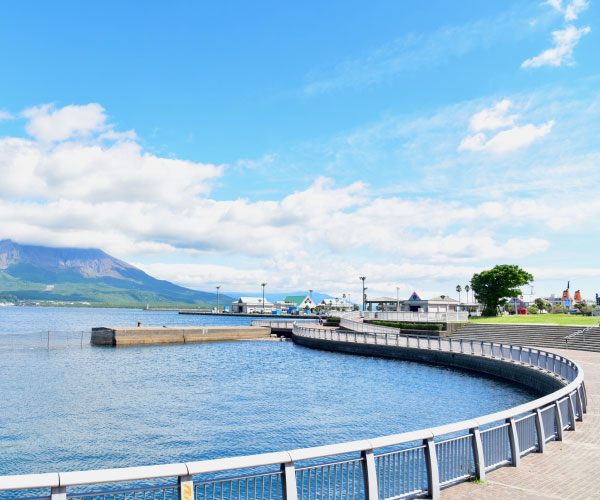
{"x": 452, "y": 316}
{"x": 583, "y": 332}
{"x": 283, "y": 324}
{"x": 382, "y": 468}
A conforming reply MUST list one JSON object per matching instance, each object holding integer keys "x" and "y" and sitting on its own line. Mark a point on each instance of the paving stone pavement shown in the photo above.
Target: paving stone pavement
{"x": 568, "y": 470}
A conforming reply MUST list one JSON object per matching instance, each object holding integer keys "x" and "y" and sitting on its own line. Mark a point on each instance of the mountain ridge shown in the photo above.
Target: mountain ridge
{"x": 32, "y": 272}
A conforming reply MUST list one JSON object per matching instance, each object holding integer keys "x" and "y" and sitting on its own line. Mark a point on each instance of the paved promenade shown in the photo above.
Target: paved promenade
{"x": 568, "y": 470}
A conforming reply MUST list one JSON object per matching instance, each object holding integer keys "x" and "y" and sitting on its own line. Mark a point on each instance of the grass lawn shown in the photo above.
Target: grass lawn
{"x": 547, "y": 319}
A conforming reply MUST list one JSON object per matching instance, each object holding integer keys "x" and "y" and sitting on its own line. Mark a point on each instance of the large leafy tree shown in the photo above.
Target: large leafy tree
{"x": 494, "y": 286}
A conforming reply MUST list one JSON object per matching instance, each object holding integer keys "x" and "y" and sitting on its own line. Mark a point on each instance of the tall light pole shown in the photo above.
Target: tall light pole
{"x": 217, "y": 287}
{"x": 397, "y": 299}
{"x": 263, "y": 304}
{"x": 363, "y": 278}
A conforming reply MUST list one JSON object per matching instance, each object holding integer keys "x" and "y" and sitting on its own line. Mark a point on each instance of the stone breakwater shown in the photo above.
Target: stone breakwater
{"x": 143, "y": 335}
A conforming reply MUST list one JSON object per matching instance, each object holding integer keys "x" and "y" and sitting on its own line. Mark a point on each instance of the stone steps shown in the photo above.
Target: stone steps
{"x": 550, "y": 336}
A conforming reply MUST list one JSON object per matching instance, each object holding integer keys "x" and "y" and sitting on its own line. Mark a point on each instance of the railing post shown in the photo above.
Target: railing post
{"x": 571, "y": 412}
{"x": 579, "y": 404}
{"x": 559, "y": 421}
{"x": 478, "y": 456}
{"x": 186, "y": 488}
{"x": 539, "y": 427}
{"x": 433, "y": 475}
{"x": 513, "y": 439}
{"x": 58, "y": 493}
{"x": 369, "y": 475}
{"x": 581, "y": 390}
{"x": 288, "y": 481}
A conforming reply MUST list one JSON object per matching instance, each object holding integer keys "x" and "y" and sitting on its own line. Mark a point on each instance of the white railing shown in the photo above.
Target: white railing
{"x": 382, "y": 468}
{"x": 282, "y": 324}
{"x": 452, "y": 316}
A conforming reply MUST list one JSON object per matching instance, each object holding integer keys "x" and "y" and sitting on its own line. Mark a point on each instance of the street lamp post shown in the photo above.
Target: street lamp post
{"x": 218, "y": 286}
{"x": 263, "y": 302}
{"x": 397, "y": 299}
{"x": 363, "y": 278}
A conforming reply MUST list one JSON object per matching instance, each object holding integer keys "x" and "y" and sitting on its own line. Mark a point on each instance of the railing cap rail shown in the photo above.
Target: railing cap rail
{"x": 122, "y": 474}
{"x": 26, "y": 481}
{"x": 243, "y": 462}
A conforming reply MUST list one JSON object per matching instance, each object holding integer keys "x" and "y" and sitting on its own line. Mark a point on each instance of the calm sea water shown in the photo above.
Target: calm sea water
{"x": 71, "y": 407}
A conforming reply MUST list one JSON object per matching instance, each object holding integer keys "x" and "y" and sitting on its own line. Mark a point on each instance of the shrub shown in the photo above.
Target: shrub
{"x": 533, "y": 310}
{"x": 410, "y": 326}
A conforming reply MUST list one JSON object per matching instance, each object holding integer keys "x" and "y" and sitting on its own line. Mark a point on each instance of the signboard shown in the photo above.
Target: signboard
{"x": 567, "y": 302}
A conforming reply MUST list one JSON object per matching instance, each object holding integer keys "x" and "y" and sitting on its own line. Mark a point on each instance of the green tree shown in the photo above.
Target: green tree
{"x": 541, "y": 304}
{"x": 495, "y": 285}
{"x": 467, "y": 288}
{"x": 560, "y": 308}
{"x": 533, "y": 309}
{"x": 458, "y": 289}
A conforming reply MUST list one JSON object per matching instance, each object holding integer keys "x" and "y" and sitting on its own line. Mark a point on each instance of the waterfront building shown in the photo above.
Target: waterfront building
{"x": 337, "y": 305}
{"x": 302, "y": 302}
{"x": 251, "y": 305}
{"x": 439, "y": 304}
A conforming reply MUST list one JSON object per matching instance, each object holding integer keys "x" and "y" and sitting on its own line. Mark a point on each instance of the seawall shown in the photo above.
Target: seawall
{"x": 143, "y": 335}
{"x": 538, "y": 380}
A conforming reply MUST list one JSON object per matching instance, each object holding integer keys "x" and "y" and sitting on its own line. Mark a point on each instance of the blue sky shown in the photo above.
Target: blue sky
{"x": 306, "y": 145}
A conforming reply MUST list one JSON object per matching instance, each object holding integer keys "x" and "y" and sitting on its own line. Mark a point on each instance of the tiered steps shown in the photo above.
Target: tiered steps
{"x": 550, "y": 336}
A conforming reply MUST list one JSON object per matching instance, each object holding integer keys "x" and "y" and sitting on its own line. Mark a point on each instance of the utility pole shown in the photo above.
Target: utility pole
{"x": 397, "y": 299}
{"x": 263, "y": 304}
{"x": 218, "y": 286}
{"x": 363, "y": 278}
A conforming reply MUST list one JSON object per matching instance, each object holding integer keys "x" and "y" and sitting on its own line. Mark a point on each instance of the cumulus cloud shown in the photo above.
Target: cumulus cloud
{"x": 565, "y": 41}
{"x": 101, "y": 189}
{"x": 493, "y": 118}
{"x": 570, "y": 10}
{"x": 47, "y": 124}
{"x": 101, "y": 165}
{"x": 504, "y": 141}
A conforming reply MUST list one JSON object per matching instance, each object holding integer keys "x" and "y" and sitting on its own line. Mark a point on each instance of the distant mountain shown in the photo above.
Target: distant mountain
{"x": 38, "y": 273}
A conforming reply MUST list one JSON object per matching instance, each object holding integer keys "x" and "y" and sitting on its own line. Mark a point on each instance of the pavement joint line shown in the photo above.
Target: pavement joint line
{"x": 525, "y": 490}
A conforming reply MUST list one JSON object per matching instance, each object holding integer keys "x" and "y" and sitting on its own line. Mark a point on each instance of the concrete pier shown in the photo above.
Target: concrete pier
{"x": 144, "y": 335}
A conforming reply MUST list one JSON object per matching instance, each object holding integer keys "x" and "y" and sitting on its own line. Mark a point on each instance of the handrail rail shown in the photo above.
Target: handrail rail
{"x": 555, "y": 364}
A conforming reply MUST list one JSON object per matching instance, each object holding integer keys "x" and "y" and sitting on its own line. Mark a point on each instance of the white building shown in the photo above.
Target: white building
{"x": 251, "y": 305}
{"x": 337, "y": 305}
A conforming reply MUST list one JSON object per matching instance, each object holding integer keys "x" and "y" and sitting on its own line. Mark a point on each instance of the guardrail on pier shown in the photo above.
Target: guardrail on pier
{"x": 283, "y": 324}
{"x": 382, "y": 468}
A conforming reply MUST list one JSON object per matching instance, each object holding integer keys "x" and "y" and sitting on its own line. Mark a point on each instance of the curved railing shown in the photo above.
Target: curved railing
{"x": 383, "y": 468}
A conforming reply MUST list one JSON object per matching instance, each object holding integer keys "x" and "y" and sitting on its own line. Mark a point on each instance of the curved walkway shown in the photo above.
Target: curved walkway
{"x": 574, "y": 473}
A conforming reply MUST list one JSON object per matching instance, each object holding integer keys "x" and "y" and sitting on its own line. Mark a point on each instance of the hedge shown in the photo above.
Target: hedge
{"x": 410, "y": 326}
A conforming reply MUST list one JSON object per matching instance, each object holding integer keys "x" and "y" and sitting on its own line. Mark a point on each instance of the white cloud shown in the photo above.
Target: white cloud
{"x": 565, "y": 41}
{"x": 494, "y": 117}
{"x": 570, "y": 10}
{"x": 102, "y": 165}
{"x": 47, "y": 124}
{"x": 505, "y": 141}
{"x": 5, "y": 115}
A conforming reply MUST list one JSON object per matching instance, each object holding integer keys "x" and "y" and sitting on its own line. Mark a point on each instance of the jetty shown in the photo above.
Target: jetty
{"x": 148, "y": 335}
